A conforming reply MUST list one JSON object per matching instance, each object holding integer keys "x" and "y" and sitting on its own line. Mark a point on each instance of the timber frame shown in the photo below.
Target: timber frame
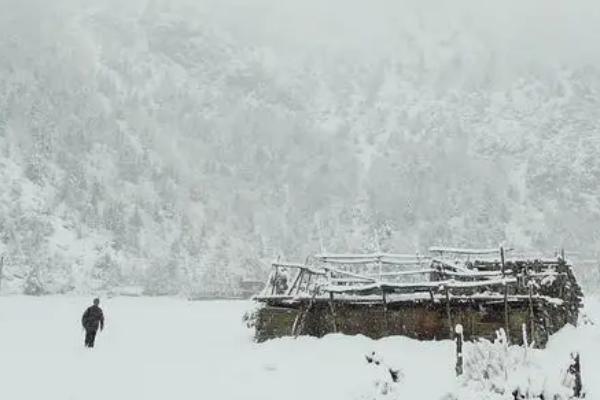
{"x": 423, "y": 297}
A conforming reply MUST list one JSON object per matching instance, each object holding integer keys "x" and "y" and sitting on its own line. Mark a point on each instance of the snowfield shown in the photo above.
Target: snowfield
{"x": 175, "y": 349}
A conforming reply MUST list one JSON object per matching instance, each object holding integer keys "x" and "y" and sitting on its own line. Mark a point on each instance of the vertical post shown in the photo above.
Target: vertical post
{"x": 506, "y": 321}
{"x": 380, "y": 265}
{"x": 300, "y": 280}
{"x": 562, "y": 254}
{"x": 308, "y": 282}
{"x": 385, "y": 313}
{"x": 295, "y": 282}
{"x": 332, "y": 309}
{"x": 575, "y": 370}
{"x": 531, "y": 313}
{"x": 448, "y": 314}
{"x": 459, "y": 349}
{"x": 502, "y": 260}
{"x": 299, "y": 317}
{"x": 304, "y": 315}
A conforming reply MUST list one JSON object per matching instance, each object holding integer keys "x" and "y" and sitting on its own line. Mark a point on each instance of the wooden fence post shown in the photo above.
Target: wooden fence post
{"x": 506, "y": 321}
{"x": 575, "y": 370}
{"x": 502, "y": 260}
{"x": 459, "y": 349}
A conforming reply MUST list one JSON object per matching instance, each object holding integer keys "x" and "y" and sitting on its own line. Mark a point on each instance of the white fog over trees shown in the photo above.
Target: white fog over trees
{"x": 180, "y": 145}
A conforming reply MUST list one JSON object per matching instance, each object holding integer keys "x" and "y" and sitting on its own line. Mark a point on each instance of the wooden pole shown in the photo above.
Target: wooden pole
{"x": 506, "y": 321}
{"x": 459, "y": 349}
{"x": 296, "y": 279}
{"x": 275, "y": 277}
{"x": 502, "y": 260}
{"x": 300, "y": 280}
{"x": 531, "y": 314}
{"x": 449, "y": 315}
{"x": 305, "y": 314}
{"x": 332, "y": 309}
{"x": 308, "y": 282}
{"x": 297, "y": 320}
{"x": 575, "y": 370}
{"x": 385, "y": 312}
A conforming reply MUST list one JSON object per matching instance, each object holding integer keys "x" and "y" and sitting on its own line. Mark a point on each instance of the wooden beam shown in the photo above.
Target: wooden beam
{"x": 463, "y": 251}
{"x": 293, "y": 285}
{"x": 296, "y": 283}
{"x": 297, "y": 320}
{"x": 274, "y": 285}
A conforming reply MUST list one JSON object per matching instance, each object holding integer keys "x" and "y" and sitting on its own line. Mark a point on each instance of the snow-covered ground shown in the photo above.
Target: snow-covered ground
{"x": 175, "y": 349}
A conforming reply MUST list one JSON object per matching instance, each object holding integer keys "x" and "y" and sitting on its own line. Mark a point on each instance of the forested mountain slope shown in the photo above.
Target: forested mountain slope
{"x": 176, "y": 144}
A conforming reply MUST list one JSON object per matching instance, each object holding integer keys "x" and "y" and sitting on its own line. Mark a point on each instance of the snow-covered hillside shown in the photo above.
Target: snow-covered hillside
{"x": 175, "y": 349}
{"x": 175, "y": 145}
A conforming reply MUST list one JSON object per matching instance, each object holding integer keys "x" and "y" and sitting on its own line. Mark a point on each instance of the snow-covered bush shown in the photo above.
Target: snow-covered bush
{"x": 495, "y": 370}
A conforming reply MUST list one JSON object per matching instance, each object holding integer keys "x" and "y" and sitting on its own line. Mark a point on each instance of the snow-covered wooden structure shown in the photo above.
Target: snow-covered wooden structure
{"x": 422, "y": 297}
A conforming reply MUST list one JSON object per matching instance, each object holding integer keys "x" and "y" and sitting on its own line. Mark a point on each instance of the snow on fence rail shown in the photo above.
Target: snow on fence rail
{"x": 465, "y": 251}
{"x": 337, "y": 273}
{"x": 380, "y": 287}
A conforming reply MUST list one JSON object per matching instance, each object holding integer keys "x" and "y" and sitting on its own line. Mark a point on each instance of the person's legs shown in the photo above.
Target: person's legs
{"x": 92, "y": 338}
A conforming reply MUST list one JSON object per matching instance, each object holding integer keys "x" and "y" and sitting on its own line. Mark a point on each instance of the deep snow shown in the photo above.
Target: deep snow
{"x": 175, "y": 349}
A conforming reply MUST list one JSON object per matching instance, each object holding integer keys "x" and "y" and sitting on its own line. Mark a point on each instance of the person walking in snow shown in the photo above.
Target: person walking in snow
{"x": 93, "y": 318}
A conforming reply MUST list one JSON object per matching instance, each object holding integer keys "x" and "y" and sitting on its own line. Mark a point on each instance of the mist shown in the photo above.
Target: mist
{"x": 179, "y": 146}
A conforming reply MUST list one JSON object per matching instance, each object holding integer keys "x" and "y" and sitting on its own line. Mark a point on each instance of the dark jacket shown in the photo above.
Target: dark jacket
{"x": 92, "y": 318}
